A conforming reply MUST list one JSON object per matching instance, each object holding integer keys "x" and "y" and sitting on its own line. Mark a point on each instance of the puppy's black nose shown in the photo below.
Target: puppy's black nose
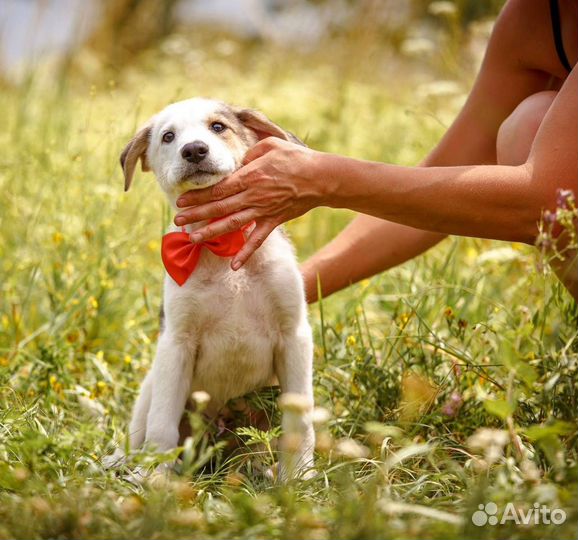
{"x": 195, "y": 152}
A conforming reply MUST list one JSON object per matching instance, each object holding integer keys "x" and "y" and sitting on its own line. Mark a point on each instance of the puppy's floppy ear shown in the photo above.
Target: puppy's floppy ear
{"x": 257, "y": 122}
{"x": 136, "y": 149}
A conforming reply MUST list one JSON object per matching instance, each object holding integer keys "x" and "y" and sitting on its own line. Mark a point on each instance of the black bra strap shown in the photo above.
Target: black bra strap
{"x": 557, "y": 29}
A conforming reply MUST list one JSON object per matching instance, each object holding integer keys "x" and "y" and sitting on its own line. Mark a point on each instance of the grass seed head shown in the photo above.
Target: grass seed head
{"x": 350, "y": 449}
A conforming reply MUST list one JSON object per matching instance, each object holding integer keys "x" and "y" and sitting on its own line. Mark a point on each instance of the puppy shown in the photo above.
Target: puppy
{"x": 226, "y": 333}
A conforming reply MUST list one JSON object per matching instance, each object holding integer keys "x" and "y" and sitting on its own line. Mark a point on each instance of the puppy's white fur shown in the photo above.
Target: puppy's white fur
{"x": 225, "y": 332}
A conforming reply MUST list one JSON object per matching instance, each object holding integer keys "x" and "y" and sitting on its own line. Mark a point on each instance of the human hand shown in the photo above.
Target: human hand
{"x": 276, "y": 183}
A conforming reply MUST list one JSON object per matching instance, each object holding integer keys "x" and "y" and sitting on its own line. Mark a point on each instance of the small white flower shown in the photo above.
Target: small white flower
{"x": 190, "y": 517}
{"x": 417, "y": 46}
{"x": 292, "y": 402}
{"x": 439, "y": 89}
{"x": 175, "y": 46}
{"x": 320, "y": 416}
{"x": 491, "y": 442}
{"x": 485, "y": 437}
{"x": 226, "y": 47}
{"x": 442, "y": 9}
{"x": 350, "y": 449}
{"x": 529, "y": 470}
{"x": 201, "y": 399}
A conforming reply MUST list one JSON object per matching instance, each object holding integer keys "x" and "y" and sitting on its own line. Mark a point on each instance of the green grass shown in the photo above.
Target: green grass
{"x": 410, "y": 364}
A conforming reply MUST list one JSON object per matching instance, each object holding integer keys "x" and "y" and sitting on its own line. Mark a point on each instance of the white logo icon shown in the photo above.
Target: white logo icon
{"x": 485, "y": 514}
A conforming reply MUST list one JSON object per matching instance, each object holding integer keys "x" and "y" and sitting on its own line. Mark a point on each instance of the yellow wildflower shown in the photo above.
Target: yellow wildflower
{"x": 404, "y": 318}
{"x": 57, "y": 238}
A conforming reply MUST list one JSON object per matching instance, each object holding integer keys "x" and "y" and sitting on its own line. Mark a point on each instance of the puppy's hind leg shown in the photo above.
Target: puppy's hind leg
{"x": 294, "y": 365}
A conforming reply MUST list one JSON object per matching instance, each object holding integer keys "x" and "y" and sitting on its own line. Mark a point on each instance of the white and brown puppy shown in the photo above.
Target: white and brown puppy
{"x": 225, "y": 332}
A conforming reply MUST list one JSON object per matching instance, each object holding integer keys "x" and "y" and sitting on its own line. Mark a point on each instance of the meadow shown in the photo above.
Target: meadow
{"x": 449, "y": 382}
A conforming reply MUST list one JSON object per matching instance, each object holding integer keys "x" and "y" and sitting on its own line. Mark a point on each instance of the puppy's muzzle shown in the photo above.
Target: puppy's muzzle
{"x": 195, "y": 152}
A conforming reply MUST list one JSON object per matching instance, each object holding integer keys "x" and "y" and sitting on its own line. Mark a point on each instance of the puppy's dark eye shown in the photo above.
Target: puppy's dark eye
{"x": 218, "y": 127}
{"x": 168, "y": 137}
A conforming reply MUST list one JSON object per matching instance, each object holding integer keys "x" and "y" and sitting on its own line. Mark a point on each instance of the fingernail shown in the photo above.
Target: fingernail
{"x": 179, "y": 220}
{"x": 236, "y": 265}
{"x": 181, "y": 203}
{"x": 196, "y": 238}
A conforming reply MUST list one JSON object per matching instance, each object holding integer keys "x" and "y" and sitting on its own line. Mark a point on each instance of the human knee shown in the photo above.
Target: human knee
{"x": 517, "y": 132}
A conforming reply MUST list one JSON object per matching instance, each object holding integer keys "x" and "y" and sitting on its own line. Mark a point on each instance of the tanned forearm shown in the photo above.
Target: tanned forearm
{"x": 367, "y": 246}
{"x": 492, "y": 201}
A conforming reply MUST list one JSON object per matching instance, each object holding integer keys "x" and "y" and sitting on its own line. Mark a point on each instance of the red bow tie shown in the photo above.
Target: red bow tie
{"x": 180, "y": 256}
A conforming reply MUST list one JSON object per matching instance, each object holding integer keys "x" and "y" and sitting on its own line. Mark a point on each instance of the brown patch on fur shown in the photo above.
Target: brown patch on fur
{"x": 230, "y": 119}
{"x": 135, "y": 150}
{"x": 250, "y": 126}
{"x": 261, "y": 126}
{"x": 238, "y": 138}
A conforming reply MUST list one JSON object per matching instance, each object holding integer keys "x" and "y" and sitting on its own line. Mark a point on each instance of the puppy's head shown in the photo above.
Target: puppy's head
{"x": 196, "y": 143}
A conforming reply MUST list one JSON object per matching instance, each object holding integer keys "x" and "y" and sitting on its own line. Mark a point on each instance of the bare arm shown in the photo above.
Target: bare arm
{"x": 488, "y": 201}
{"x": 370, "y": 245}
{"x": 367, "y": 246}
{"x": 282, "y": 181}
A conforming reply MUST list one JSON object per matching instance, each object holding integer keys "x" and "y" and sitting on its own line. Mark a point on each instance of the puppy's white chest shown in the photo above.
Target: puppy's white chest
{"x": 230, "y": 321}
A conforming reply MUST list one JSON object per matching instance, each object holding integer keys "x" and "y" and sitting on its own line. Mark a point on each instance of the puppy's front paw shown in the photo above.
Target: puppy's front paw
{"x": 285, "y": 474}
{"x": 162, "y": 439}
{"x": 116, "y": 460}
{"x": 309, "y": 474}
